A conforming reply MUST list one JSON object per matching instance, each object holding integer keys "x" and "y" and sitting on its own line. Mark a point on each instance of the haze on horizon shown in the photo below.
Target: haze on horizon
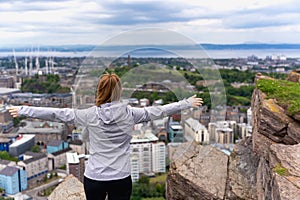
{"x": 44, "y": 22}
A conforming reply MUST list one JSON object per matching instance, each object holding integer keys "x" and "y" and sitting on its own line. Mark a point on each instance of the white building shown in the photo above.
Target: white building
{"x": 22, "y": 144}
{"x": 159, "y": 157}
{"x": 222, "y": 131}
{"x": 194, "y": 130}
{"x": 244, "y": 130}
{"x": 224, "y": 136}
{"x": 249, "y": 116}
{"x": 134, "y": 162}
{"x": 35, "y": 164}
{"x": 147, "y": 154}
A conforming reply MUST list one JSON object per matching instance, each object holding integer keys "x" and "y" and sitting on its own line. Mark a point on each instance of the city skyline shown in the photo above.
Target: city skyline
{"x": 66, "y": 22}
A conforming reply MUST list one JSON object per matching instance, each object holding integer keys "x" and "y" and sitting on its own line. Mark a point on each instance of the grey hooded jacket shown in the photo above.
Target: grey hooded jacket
{"x": 109, "y": 127}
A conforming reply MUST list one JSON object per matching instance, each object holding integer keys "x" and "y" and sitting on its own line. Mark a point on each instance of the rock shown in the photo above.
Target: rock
{"x": 264, "y": 167}
{"x": 264, "y": 179}
{"x": 297, "y": 117}
{"x": 294, "y": 76}
{"x": 293, "y": 131}
{"x": 200, "y": 172}
{"x": 288, "y": 156}
{"x": 243, "y": 164}
{"x": 285, "y": 190}
{"x": 70, "y": 189}
{"x": 271, "y": 120}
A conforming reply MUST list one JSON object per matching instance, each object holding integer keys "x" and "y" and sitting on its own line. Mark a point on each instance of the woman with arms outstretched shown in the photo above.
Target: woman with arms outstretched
{"x": 109, "y": 124}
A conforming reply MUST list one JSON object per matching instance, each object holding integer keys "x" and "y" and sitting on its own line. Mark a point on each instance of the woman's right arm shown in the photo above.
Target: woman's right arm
{"x": 52, "y": 114}
{"x": 157, "y": 112}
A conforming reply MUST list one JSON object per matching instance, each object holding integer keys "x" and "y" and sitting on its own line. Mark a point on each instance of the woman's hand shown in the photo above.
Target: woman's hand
{"x": 13, "y": 111}
{"x": 196, "y": 102}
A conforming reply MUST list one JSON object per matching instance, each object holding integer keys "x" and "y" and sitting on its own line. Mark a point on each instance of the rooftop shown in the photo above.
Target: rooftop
{"x": 72, "y": 158}
{"x": 55, "y": 143}
{"x": 5, "y": 91}
{"x": 61, "y": 151}
{"x": 194, "y": 124}
{"x": 22, "y": 139}
{"x": 9, "y": 171}
{"x": 147, "y": 136}
{"x": 36, "y": 157}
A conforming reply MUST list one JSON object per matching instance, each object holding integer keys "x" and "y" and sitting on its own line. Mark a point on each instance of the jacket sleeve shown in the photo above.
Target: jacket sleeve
{"x": 157, "y": 112}
{"x": 68, "y": 115}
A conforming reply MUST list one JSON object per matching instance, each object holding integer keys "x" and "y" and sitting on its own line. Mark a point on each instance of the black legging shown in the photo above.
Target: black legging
{"x": 114, "y": 189}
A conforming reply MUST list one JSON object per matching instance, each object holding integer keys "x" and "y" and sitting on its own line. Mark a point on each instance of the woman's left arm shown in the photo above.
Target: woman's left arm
{"x": 67, "y": 115}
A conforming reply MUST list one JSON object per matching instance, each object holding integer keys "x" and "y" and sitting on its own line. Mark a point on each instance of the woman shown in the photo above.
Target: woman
{"x": 109, "y": 124}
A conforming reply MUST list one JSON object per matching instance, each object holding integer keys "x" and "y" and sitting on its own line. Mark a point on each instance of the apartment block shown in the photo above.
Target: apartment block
{"x": 222, "y": 131}
{"x": 35, "y": 164}
{"x": 13, "y": 179}
{"x": 56, "y": 145}
{"x": 148, "y": 155}
{"x": 58, "y": 159}
{"x": 195, "y": 131}
{"x": 76, "y": 165}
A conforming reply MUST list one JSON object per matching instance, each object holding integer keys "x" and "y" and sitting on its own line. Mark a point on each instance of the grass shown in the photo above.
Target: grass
{"x": 281, "y": 170}
{"x": 46, "y": 192}
{"x": 159, "y": 179}
{"x": 285, "y": 92}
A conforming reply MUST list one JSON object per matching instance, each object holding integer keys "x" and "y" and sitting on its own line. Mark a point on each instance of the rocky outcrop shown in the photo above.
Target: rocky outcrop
{"x": 243, "y": 163}
{"x": 294, "y": 76}
{"x": 265, "y": 166}
{"x": 70, "y": 189}
{"x": 198, "y": 172}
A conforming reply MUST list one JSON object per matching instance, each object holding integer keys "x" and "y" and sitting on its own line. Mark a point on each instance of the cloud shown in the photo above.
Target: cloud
{"x": 89, "y": 21}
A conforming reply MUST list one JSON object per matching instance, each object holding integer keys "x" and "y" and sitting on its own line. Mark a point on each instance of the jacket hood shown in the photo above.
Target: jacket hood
{"x": 111, "y": 113}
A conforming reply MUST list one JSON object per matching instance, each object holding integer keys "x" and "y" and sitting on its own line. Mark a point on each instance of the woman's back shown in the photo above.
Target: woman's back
{"x": 109, "y": 135}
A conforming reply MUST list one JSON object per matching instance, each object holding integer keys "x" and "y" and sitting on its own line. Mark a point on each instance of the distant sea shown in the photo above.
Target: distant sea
{"x": 196, "y": 51}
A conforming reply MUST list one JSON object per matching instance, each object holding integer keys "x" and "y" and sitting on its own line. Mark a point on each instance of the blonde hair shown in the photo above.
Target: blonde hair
{"x": 109, "y": 89}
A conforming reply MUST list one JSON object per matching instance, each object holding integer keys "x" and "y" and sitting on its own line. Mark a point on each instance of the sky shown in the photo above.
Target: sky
{"x": 64, "y": 22}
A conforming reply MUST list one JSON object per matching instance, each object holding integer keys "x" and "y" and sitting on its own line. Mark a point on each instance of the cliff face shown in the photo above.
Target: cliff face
{"x": 264, "y": 166}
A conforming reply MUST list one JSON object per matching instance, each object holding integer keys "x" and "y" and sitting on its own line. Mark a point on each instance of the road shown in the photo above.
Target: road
{"x": 34, "y": 192}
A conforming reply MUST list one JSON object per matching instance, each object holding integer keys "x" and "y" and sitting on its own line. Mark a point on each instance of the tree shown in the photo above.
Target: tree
{"x": 35, "y": 148}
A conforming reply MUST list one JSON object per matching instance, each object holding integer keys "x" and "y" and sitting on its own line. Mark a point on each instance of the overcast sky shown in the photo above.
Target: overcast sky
{"x": 44, "y": 22}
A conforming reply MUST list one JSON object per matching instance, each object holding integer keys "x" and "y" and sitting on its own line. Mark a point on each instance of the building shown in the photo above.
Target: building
{"x": 159, "y": 157}
{"x": 47, "y": 100}
{"x": 56, "y": 145}
{"x": 78, "y": 146}
{"x": 6, "y": 121}
{"x": 244, "y": 130}
{"x": 144, "y": 152}
{"x": 7, "y": 81}
{"x": 224, "y": 136}
{"x": 35, "y": 164}
{"x": 162, "y": 134}
{"x": 4, "y": 144}
{"x": 57, "y": 159}
{"x": 13, "y": 180}
{"x": 147, "y": 152}
{"x": 135, "y": 171}
{"x": 5, "y": 163}
{"x": 175, "y": 132}
{"x": 22, "y": 144}
{"x": 76, "y": 165}
{"x": 222, "y": 131}
{"x": 44, "y": 131}
{"x": 194, "y": 130}
{"x": 249, "y": 116}
{"x": 5, "y": 93}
